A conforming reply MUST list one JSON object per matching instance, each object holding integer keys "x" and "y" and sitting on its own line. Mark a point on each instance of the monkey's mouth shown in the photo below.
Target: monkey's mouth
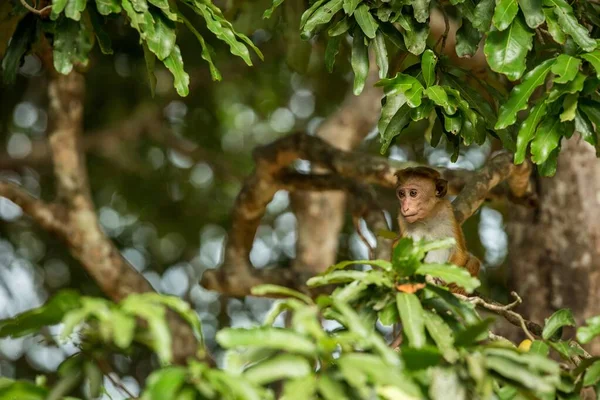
{"x": 410, "y": 215}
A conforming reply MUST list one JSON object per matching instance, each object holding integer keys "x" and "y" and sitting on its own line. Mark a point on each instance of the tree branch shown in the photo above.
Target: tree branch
{"x": 342, "y": 171}
{"x": 48, "y": 216}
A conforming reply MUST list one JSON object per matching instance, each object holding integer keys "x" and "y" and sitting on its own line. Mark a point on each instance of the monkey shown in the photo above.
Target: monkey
{"x": 426, "y": 213}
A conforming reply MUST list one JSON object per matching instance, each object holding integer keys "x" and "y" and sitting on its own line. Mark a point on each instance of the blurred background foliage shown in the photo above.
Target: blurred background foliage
{"x": 165, "y": 171}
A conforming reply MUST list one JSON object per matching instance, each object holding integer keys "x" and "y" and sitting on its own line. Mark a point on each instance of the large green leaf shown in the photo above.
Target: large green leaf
{"x": 400, "y": 120}
{"x": 439, "y": 96}
{"x": 381, "y": 54}
{"x": 528, "y": 129}
{"x": 284, "y": 366}
{"x": 482, "y": 15}
{"x": 320, "y": 16}
{"x": 594, "y": 59}
{"x": 411, "y": 315}
{"x": 566, "y": 67}
{"x": 532, "y": 9}
{"x": 505, "y": 13}
{"x": 333, "y": 47}
{"x": 592, "y": 374}
{"x": 415, "y": 39}
{"x": 269, "y": 11}
{"x": 467, "y": 39}
{"x": 22, "y": 39}
{"x": 72, "y": 44}
{"x": 331, "y": 388}
{"x": 390, "y": 108}
{"x": 207, "y": 54}
{"x": 547, "y": 138}
{"x": 164, "y": 383}
{"x": 366, "y": 21}
{"x": 574, "y": 86}
{"x": 442, "y": 335}
{"x": 359, "y": 61}
{"x": 174, "y": 63}
{"x": 106, "y": 7}
{"x": 520, "y": 94}
{"x": 506, "y": 51}
{"x": 570, "y": 24}
{"x": 350, "y": 6}
{"x": 341, "y": 27}
{"x": 569, "y": 108}
{"x": 560, "y": 318}
{"x": 271, "y": 338}
{"x": 74, "y": 9}
{"x": 428, "y": 63}
{"x": 34, "y": 320}
{"x": 585, "y": 334}
{"x": 450, "y": 274}
{"x": 58, "y": 6}
{"x": 421, "y": 10}
{"x": 553, "y": 26}
{"x": 161, "y": 37}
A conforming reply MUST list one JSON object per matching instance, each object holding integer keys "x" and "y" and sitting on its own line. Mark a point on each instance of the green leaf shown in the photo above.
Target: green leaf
{"x": 269, "y": 11}
{"x": 482, "y": 15}
{"x": 506, "y": 51}
{"x": 594, "y": 59}
{"x": 421, "y": 10}
{"x": 285, "y": 366}
{"x": 584, "y": 126}
{"x": 389, "y": 314}
{"x": 124, "y": 329}
{"x": 206, "y": 55}
{"x": 592, "y": 374}
{"x": 34, "y": 320}
{"x": 165, "y": 7}
{"x": 331, "y": 388}
{"x": 520, "y": 94}
{"x": 381, "y": 54}
{"x": 453, "y": 123}
{"x": 336, "y": 277}
{"x": 532, "y": 9}
{"x": 446, "y": 384}
{"x": 390, "y": 108}
{"x": 165, "y": 383}
{"x": 505, "y": 13}
{"x": 161, "y": 37}
{"x": 553, "y": 27}
{"x": 300, "y": 388}
{"x": 539, "y": 347}
{"x": 140, "y": 6}
{"x": 219, "y": 27}
{"x": 74, "y": 9}
{"x": 271, "y": 338}
{"x": 439, "y": 96}
{"x": 442, "y": 335}
{"x": 106, "y": 7}
{"x": 22, "y": 39}
{"x": 547, "y": 138}
{"x": 450, "y": 274}
{"x": 350, "y": 6}
{"x": 428, "y": 63}
{"x": 548, "y": 167}
{"x": 467, "y": 39}
{"x": 569, "y": 108}
{"x": 415, "y": 39}
{"x": 150, "y": 59}
{"x": 574, "y": 86}
{"x": 566, "y": 67}
{"x": 560, "y": 318}
{"x": 101, "y": 35}
{"x": 366, "y": 21}
{"x": 359, "y": 61}
{"x": 321, "y": 16}
{"x": 411, "y": 314}
{"x": 570, "y": 24}
{"x": 22, "y": 390}
{"x": 400, "y": 120}
{"x": 414, "y": 95}
{"x": 267, "y": 289}
{"x": 383, "y": 264}
{"x": 174, "y": 63}
{"x": 341, "y": 27}
{"x": 393, "y": 35}
{"x": 58, "y": 6}
{"x": 528, "y": 129}
{"x": 310, "y": 11}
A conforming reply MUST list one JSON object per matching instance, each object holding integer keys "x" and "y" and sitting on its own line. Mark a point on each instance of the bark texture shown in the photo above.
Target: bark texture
{"x": 554, "y": 250}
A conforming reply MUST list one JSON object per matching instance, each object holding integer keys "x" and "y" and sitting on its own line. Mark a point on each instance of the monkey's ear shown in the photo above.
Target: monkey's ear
{"x": 441, "y": 187}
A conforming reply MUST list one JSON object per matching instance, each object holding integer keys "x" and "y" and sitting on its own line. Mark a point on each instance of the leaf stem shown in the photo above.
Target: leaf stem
{"x": 34, "y": 10}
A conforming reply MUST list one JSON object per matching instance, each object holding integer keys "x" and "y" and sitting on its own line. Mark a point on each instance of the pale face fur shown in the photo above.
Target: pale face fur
{"x": 423, "y": 215}
{"x": 417, "y": 198}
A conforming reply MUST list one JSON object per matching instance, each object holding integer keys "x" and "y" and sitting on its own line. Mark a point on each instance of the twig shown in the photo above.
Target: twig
{"x": 444, "y": 36}
{"x": 36, "y": 11}
{"x": 397, "y": 341}
{"x": 107, "y": 370}
{"x": 506, "y": 312}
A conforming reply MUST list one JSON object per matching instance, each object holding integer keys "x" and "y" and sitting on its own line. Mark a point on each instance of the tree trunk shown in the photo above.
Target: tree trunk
{"x": 554, "y": 251}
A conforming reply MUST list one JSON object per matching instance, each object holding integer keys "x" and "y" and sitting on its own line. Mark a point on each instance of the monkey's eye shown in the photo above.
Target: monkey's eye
{"x": 413, "y": 193}
{"x": 400, "y": 193}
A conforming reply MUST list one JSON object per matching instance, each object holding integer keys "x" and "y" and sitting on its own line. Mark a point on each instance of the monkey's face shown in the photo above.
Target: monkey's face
{"x": 417, "y": 196}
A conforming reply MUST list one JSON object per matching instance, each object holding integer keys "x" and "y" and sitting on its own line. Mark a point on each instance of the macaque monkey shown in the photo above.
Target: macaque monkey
{"x": 425, "y": 213}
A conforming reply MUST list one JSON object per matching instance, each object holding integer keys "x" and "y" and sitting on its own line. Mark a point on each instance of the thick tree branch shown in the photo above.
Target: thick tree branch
{"x": 343, "y": 171}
